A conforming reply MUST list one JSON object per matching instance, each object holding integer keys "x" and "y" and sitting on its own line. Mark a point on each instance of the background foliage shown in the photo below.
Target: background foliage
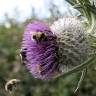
{"x": 10, "y": 67}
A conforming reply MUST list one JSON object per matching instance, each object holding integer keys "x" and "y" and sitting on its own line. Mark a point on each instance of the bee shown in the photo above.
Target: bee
{"x": 11, "y": 84}
{"x": 23, "y": 56}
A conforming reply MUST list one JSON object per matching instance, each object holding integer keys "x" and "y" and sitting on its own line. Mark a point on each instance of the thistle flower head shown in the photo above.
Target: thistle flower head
{"x": 51, "y": 51}
{"x": 39, "y": 50}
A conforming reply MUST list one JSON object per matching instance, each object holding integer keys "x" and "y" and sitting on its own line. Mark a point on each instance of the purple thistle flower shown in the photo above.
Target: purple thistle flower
{"x": 48, "y": 52}
{"x": 39, "y": 50}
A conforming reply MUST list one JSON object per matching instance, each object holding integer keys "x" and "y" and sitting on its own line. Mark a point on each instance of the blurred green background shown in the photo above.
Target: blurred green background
{"x": 11, "y": 33}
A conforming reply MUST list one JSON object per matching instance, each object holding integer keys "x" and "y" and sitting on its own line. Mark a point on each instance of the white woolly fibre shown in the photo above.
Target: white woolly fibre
{"x": 73, "y": 46}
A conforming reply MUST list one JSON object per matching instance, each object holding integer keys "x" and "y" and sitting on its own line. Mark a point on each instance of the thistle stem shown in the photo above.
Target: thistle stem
{"x": 90, "y": 61}
{"x": 12, "y": 94}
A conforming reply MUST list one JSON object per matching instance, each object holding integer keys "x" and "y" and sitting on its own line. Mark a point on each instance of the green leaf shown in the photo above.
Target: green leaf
{"x": 72, "y": 2}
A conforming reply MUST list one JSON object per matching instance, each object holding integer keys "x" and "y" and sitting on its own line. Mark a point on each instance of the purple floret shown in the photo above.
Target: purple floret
{"x": 41, "y": 57}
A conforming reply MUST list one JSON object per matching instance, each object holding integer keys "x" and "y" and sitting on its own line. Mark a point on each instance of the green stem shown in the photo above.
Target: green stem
{"x": 90, "y": 61}
{"x": 12, "y": 94}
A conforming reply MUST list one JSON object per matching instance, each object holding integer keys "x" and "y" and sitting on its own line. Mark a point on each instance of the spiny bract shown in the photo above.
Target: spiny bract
{"x": 50, "y": 51}
{"x": 74, "y": 48}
